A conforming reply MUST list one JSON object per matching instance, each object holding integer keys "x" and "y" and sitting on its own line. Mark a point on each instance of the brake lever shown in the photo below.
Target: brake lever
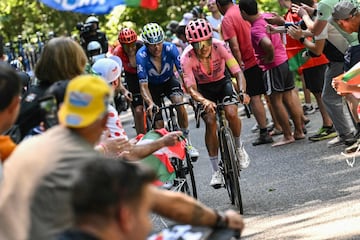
{"x": 246, "y": 106}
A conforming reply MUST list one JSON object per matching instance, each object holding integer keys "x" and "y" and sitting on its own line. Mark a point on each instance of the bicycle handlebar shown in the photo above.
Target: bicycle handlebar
{"x": 173, "y": 105}
{"x": 157, "y": 109}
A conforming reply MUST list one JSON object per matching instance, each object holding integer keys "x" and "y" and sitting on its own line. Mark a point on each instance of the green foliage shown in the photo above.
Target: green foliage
{"x": 271, "y": 6}
{"x": 26, "y": 17}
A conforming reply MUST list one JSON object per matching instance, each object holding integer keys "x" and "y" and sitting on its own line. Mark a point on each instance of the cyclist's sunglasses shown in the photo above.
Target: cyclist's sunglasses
{"x": 201, "y": 44}
{"x": 128, "y": 45}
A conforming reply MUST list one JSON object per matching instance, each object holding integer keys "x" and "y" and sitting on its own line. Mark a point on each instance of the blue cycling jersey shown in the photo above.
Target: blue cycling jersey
{"x": 146, "y": 69}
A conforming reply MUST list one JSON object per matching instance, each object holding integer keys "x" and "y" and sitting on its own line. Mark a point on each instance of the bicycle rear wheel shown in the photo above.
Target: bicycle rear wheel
{"x": 231, "y": 169}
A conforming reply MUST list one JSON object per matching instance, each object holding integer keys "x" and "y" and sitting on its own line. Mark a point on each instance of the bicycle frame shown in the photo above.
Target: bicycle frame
{"x": 183, "y": 167}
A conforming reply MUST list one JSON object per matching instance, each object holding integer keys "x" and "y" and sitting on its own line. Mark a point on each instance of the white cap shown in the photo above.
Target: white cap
{"x": 107, "y": 69}
{"x": 186, "y": 19}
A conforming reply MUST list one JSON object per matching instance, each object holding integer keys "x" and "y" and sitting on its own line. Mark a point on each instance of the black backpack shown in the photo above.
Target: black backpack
{"x": 30, "y": 114}
{"x": 333, "y": 53}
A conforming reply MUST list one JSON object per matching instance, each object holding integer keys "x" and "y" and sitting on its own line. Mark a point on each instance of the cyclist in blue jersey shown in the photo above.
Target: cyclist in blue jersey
{"x": 155, "y": 68}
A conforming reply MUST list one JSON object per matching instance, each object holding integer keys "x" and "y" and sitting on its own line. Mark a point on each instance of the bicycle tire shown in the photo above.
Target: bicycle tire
{"x": 184, "y": 174}
{"x": 231, "y": 162}
{"x": 225, "y": 168}
{"x": 190, "y": 170}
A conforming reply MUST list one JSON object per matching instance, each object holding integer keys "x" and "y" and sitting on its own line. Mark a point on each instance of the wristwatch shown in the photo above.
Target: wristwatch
{"x": 302, "y": 39}
{"x": 222, "y": 220}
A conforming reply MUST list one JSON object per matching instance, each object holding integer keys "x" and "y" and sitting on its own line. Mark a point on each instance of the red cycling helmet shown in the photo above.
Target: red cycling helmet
{"x": 198, "y": 30}
{"x": 127, "y": 35}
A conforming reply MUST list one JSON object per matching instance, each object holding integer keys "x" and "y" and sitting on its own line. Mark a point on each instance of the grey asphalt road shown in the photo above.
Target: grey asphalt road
{"x": 303, "y": 190}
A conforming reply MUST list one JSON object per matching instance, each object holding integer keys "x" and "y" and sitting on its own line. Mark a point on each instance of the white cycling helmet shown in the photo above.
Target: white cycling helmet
{"x": 152, "y": 33}
{"x": 107, "y": 69}
{"x": 93, "y": 46}
{"x": 92, "y": 19}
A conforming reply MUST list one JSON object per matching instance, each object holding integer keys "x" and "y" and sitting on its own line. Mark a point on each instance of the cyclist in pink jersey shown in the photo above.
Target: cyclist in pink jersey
{"x": 203, "y": 63}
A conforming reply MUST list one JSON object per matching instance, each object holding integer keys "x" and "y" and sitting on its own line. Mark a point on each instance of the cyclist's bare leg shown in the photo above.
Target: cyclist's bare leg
{"x": 292, "y": 103}
{"x": 139, "y": 119}
{"x": 181, "y": 112}
{"x": 159, "y": 124}
{"x": 281, "y": 115}
{"x": 231, "y": 114}
{"x": 211, "y": 138}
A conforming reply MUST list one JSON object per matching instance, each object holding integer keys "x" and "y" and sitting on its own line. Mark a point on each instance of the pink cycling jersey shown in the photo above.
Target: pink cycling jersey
{"x": 220, "y": 57}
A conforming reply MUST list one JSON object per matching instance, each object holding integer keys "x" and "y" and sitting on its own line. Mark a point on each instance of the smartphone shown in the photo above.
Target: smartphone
{"x": 288, "y": 24}
{"x": 48, "y": 106}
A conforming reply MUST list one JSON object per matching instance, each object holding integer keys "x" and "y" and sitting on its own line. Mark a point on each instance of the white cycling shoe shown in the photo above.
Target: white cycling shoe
{"x": 217, "y": 180}
{"x": 243, "y": 157}
{"x": 193, "y": 152}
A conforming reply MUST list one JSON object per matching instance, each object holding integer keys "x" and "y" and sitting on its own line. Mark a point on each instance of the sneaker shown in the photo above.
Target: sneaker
{"x": 308, "y": 109}
{"x": 335, "y": 142}
{"x": 353, "y": 148}
{"x": 323, "y": 133}
{"x": 341, "y": 140}
{"x": 243, "y": 157}
{"x": 255, "y": 128}
{"x": 263, "y": 138}
{"x": 193, "y": 152}
{"x": 217, "y": 180}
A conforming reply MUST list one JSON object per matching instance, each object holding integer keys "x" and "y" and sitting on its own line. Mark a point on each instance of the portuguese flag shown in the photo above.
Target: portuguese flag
{"x": 149, "y": 4}
{"x": 295, "y": 58}
{"x": 97, "y": 7}
{"x": 159, "y": 161}
{"x": 351, "y": 77}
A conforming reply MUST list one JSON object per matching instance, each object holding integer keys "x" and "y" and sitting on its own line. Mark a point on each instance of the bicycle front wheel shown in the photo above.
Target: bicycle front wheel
{"x": 231, "y": 167}
{"x": 185, "y": 176}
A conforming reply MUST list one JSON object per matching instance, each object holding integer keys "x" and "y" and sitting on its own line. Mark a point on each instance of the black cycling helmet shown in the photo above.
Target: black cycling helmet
{"x": 172, "y": 25}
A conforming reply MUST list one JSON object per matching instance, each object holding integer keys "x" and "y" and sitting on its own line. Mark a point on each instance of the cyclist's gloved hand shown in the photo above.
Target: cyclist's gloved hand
{"x": 128, "y": 96}
{"x": 209, "y": 106}
{"x": 152, "y": 109}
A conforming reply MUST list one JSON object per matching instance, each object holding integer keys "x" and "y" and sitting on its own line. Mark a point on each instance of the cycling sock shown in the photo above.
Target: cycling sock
{"x": 214, "y": 163}
{"x": 238, "y": 142}
{"x": 186, "y": 134}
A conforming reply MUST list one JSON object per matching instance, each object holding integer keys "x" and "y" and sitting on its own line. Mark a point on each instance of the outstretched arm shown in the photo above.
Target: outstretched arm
{"x": 184, "y": 209}
{"x": 140, "y": 151}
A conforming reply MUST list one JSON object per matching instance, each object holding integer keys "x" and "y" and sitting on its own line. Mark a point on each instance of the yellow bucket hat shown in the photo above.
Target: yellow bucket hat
{"x": 86, "y": 100}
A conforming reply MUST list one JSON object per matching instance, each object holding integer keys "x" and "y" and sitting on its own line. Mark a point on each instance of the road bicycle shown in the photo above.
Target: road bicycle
{"x": 185, "y": 178}
{"x": 228, "y": 163}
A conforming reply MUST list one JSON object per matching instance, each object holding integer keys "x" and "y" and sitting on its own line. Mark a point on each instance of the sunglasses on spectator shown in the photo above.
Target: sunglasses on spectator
{"x": 201, "y": 44}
